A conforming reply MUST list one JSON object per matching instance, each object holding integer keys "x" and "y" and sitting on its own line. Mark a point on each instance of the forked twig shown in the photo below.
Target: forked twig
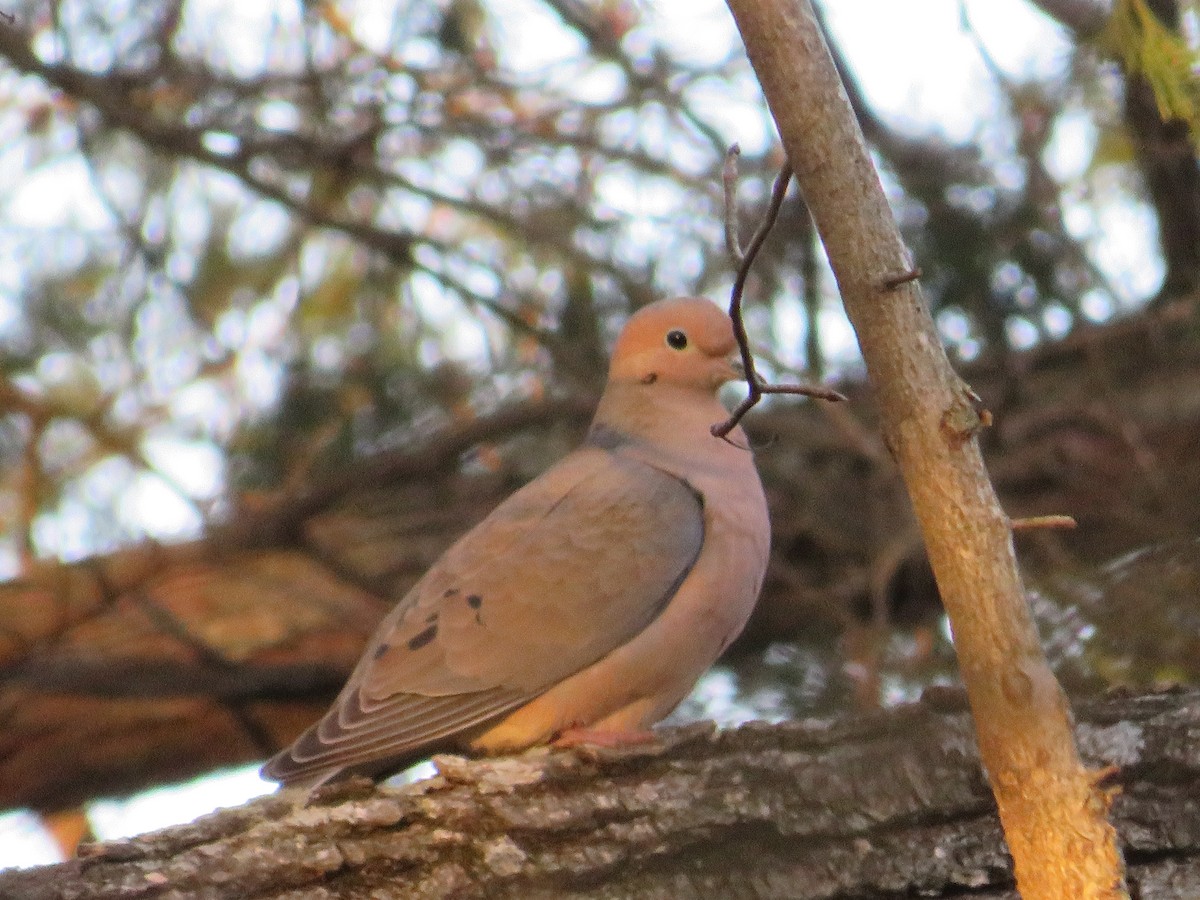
{"x": 755, "y": 385}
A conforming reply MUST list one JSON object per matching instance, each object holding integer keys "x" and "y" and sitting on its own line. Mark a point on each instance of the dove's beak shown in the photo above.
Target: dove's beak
{"x": 732, "y": 369}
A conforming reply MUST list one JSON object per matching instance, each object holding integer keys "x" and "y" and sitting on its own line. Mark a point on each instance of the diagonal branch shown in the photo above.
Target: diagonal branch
{"x": 878, "y": 806}
{"x": 1053, "y": 809}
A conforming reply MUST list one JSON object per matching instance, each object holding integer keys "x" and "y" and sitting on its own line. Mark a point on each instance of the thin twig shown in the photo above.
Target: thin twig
{"x": 744, "y": 260}
{"x": 894, "y": 281}
{"x": 729, "y": 177}
{"x": 1031, "y": 523}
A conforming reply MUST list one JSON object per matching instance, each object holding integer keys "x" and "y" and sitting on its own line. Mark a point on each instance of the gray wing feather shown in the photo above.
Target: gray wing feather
{"x": 563, "y": 572}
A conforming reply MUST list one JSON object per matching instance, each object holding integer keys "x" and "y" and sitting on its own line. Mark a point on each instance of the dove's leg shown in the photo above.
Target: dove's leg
{"x": 595, "y": 737}
{"x": 628, "y": 726}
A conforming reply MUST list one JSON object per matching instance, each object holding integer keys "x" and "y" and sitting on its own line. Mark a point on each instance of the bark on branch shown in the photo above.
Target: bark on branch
{"x": 887, "y": 805}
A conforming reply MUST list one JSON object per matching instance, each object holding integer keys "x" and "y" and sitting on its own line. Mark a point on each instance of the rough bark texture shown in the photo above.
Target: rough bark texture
{"x": 1053, "y": 812}
{"x": 885, "y": 805}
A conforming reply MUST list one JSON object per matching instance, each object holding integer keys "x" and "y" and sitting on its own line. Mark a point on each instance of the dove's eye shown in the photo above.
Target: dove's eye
{"x": 676, "y": 339}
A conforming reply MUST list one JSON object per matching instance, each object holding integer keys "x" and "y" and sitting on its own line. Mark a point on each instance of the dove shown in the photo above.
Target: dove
{"x": 585, "y": 607}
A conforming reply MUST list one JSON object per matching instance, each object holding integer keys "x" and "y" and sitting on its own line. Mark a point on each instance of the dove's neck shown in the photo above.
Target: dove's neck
{"x": 671, "y": 424}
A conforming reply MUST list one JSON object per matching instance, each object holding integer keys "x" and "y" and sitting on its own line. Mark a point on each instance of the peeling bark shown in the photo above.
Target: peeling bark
{"x": 887, "y": 805}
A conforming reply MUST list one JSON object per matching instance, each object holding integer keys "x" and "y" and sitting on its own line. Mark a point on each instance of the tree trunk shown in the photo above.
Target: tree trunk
{"x": 886, "y": 805}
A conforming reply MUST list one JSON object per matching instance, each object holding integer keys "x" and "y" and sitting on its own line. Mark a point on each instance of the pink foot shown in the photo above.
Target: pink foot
{"x": 589, "y": 737}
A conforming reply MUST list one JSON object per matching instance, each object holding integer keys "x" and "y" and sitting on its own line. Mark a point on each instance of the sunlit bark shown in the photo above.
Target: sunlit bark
{"x": 1052, "y": 808}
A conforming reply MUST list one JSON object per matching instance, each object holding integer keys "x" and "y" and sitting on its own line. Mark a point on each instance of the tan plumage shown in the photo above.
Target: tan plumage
{"x": 594, "y": 597}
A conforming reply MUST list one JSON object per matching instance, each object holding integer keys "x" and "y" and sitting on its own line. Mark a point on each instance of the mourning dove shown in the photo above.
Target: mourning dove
{"x": 588, "y": 603}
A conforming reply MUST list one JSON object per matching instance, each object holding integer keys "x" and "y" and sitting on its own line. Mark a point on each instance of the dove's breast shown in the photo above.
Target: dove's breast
{"x": 641, "y": 681}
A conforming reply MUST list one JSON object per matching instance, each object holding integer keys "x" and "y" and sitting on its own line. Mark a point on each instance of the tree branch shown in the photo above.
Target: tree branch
{"x": 1084, "y": 17}
{"x": 1051, "y": 806}
{"x": 882, "y": 806}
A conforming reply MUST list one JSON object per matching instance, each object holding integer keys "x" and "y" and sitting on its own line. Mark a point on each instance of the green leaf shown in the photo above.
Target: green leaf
{"x": 1147, "y": 47}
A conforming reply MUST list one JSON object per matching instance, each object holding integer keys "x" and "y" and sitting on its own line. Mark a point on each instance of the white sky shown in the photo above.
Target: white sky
{"x": 916, "y": 64}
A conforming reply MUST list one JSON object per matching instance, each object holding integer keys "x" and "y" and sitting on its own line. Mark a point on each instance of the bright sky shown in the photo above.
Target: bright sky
{"x": 916, "y": 64}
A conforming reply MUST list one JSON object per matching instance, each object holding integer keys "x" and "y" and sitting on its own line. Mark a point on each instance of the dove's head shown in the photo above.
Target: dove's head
{"x": 687, "y": 341}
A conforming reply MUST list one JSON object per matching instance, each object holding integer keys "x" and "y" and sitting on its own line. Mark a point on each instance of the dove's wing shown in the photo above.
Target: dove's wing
{"x": 567, "y": 569}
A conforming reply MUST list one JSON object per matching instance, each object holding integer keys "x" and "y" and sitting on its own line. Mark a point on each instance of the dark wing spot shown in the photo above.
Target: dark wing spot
{"x": 474, "y": 601}
{"x": 450, "y": 592}
{"x": 416, "y": 643}
{"x": 381, "y": 649}
{"x": 431, "y": 618}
